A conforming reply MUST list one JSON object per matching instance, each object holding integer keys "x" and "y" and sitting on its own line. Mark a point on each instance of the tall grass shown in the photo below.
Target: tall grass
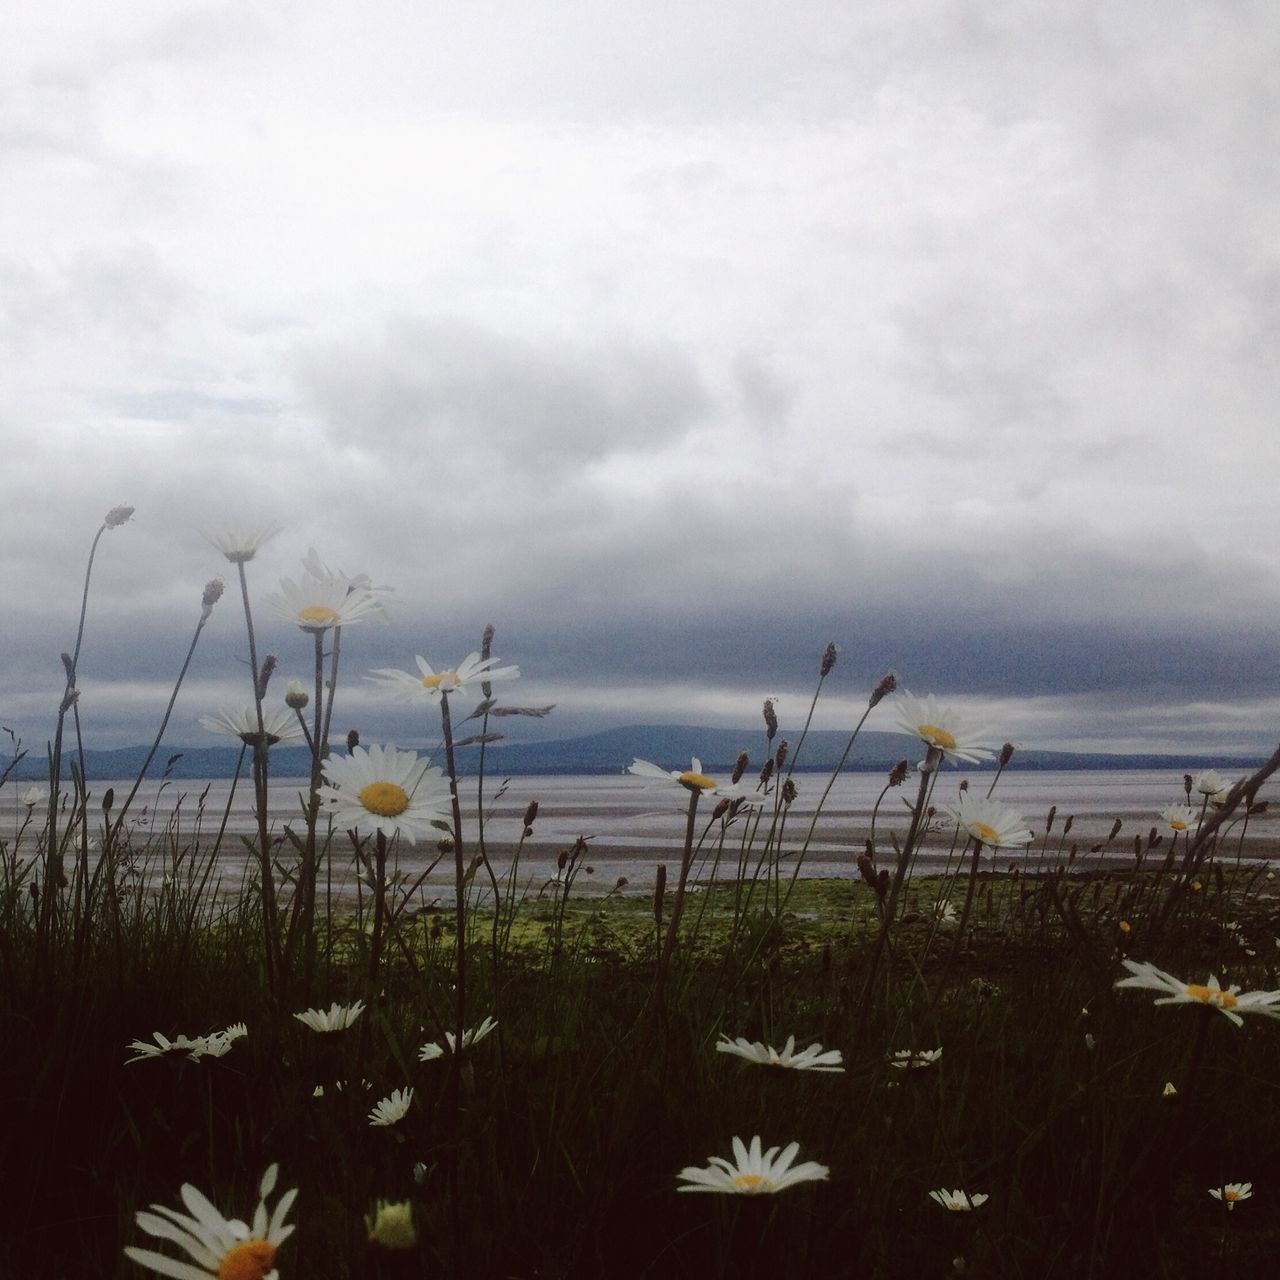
{"x": 1095, "y": 1122}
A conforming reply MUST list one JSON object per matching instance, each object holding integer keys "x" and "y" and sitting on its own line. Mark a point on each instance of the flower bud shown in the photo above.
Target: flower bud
{"x": 295, "y": 696}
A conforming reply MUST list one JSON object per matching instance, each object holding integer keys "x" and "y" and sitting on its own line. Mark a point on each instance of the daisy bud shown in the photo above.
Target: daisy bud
{"x": 353, "y": 740}
{"x": 269, "y": 664}
{"x": 117, "y": 516}
{"x": 444, "y": 845}
{"x": 1006, "y": 753}
{"x": 770, "y": 719}
{"x": 829, "y": 656}
{"x": 295, "y": 696}
{"x": 659, "y": 890}
{"x": 898, "y": 774}
{"x": 888, "y": 683}
{"x": 740, "y": 767}
{"x": 530, "y": 814}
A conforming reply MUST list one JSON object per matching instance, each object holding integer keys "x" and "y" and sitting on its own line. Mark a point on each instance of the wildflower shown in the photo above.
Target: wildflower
{"x": 277, "y": 726}
{"x": 1211, "y": 783}
{"x": 223, "y": 1248}
{"x": 814, "y": 1058}
{"x": 1168, "y": 1091}
{"x": 316, "y": 604}
{"x": 1179, "y": 816}
{"x": 1125, "y": 927}
{"x": 1232, "y": 1192}
{"x": 430, "y": 683}
{"x": 914, "y": 1059}
{"x": 315, "y": 568}
{"x": 692, "y": 779}
{"x": 296, "y": 696}
{"x": 392, "y": 1109}
{"x": 955, "y": 736}
{"x": 192, "y": 1046}
{"x": 384, "y": 789}
{"x": 990, "y": 822}
{"x": 391, "y": 1225}
{"x": 958, "y": 1201}
{"x": 1230, "y": 1002}
{"x": 240, "y": 543}
{"x": 33, "y": 796}
{"x": 945, "y": 914}
{"x": 470, "y": 1036}
{"x": 338, "y": 1017}
{"x": 753, "y": 1173}
{"x": 117, "y": 516}
{"x": 219, "y": 1043}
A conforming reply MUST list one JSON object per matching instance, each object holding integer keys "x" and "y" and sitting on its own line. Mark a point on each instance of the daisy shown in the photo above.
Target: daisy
{"x": 753, "y": 1174}
{"x": 219, "y": 1043}
{"x": 692, "y": 779}
{"x": 1232, "y": 1192}
{"x": 470, "y": 1036}
{"x": 814, "y": 1058}
{"x": 192, "y": 1046}
{"x": 277, "y": 726}
{"x": 392, "y": 1109}
{"x": 33, "y": 796}
{"x": 958, "y": 1201}
{"x": 914, "y": 1059}
{"x": 1231, "y": 1002}
{"x": 316, "y": 604}
{"x": 338, "y": 1017}
{"x": 945, "y": 913}
{"x": 223, "y": 1248}
{"x": 957, "y": 737}
{"x": 1181, "y": 817}
{"x": 384, "y": 789}
{"x": 240, "y": 542}
{"x": 1209, "y": 782}
{"x": 430, "y": 683}
{"x": 989, "y": 822}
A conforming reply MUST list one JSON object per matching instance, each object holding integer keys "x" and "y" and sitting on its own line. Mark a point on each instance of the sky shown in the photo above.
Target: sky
{"x": 673, "y": 344}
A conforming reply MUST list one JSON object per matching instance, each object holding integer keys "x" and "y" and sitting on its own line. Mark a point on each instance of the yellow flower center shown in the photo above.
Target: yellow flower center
{"x": 985, "y": 832}
{"x": 1178, "y": 826}
{"x": 938, "y": 736}
{"x": 318, "y": 613}
{"x": 444, "y": 677}
{"x": 385, "y": 799}
{"x": 1210, "y": 995}
{"x": 750, "y": 1182}
{"x": 249, "y": 1260}
{"x": 696, "y": 781}
{"x": 1230, "y": 1195}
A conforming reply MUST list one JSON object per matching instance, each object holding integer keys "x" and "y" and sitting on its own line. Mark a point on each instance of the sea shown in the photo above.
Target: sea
{"x": 630, "y": 827}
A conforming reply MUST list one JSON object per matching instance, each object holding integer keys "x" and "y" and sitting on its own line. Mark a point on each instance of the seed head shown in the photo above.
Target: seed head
{"x": 964, "y": 786}
{"x": 888, "y": 683}
{"x": 1115, "y": 829}
{"x": 353, "y": 740}
{"x": 212, "y": 594}
{"x": 770, "y": 720}
{"x": 1006, "y": 753}
{"x": 767, "y": 771}
{"x": 1187, "y": 782}
{"x": 1048, "y": 823}
{"x": 740, "y": 767}
{"x": 898, "y": 774}
{"x": 722, "y": 807}
{"x": 829, "y": 656}
{"x": 1066, "y": 826}
{"x": 269, "y": 664}
{"x": 788, "y": 791}
{"x": 117, "y": 516}
{"x": 530, "y": 813}
{"x": 780, "y": 756}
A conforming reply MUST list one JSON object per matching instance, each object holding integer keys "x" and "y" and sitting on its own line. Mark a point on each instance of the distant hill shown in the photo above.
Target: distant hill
{"x": 612, "y": 750}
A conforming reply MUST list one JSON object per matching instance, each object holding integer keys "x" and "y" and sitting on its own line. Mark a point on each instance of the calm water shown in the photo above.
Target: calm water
{"x": 632, "y": 825}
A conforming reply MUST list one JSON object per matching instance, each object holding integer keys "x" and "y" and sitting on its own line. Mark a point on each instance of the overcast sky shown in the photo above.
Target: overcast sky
{"x": 675, "y": 339}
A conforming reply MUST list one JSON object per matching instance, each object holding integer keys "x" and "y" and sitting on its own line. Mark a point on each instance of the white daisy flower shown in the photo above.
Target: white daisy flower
{"x": 223, "y": 1248}
{"x": 338, "y": 1017}
{"x": 1232, "y": 1192}
{"x": 958, "y": 1201}
{"x": 33, "y": 796}
{"x": 914, "y": 1059}
{"x": 470, "y": 1036}
{"x": 385, "y": 789}
{"x": 814, "y": 1058}
{"x": 956, "y": 736}
{"x": 990, "y": 822}
{"x": 192, "y": 1046}
{"x": 430, "y": 683}
{"x": 1181, "y": 817}
{"x": 316, "y": 604}
{"x": 219, "y": 1043}
{"x": 240, "y": 542}
{"x": 1231, "y": 1002}
{"x": 1209, "y": 782}
{"x": 278, "y": 726}
{"x": 391, "y": 1110}
{"x": 315, "y": 568}
{"x": 944, "y": 913}
{"x": 752, "y": 1173}
{"x": 692, "y": 778}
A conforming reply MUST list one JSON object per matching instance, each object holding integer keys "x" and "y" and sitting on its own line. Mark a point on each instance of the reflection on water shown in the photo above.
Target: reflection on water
{"x": 622, "y": 816}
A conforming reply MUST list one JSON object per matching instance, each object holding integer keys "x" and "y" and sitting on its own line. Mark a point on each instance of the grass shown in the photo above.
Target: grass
{"x": 1094, "y": 1121}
